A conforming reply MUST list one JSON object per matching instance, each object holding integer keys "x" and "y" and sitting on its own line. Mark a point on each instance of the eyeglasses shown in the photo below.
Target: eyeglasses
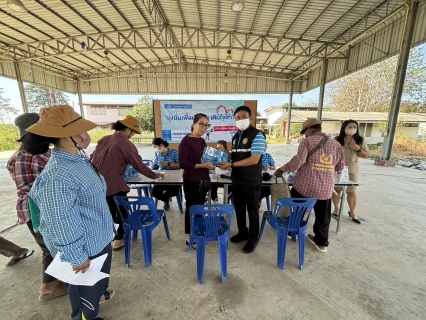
{"x": 205, "y": 125}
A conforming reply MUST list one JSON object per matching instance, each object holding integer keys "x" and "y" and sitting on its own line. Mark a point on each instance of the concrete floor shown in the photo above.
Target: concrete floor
{"x": 375, "y": 270}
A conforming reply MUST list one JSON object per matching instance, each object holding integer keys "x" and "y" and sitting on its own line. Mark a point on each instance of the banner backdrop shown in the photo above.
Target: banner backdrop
{"x": 177, "y": 117}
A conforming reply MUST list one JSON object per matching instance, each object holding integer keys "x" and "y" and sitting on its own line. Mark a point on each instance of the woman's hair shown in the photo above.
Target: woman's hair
{"x": 197, "y": 118}
{"x": 118, "y": 126}
{"x": 35, "y": 144}
{"x": 341, "y": 137}
{"x": 224, "y": 144}
{"x": 158, "y": 141}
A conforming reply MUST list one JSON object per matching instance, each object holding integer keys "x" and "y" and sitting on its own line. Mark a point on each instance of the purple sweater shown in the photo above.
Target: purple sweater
{"x": 111, "y": 156}
{"x": 190, "y": 153}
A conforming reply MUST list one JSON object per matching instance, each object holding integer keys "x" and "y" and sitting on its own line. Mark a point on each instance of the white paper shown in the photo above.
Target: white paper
{"x": 220, "y": 171}
{"x": 63, "y": 271}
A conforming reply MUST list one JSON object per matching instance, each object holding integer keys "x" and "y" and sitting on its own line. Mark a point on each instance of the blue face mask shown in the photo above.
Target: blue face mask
{"x": 157, "y": 152}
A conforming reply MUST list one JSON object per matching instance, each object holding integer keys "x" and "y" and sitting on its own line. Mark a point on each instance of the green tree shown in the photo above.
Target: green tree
{"x": 6, "y": 109}
{"x": 258, "y": 114}
{"x": 370, "y": 89}
{"x": 143, "y": 111}
{"x": 39, "y": 97}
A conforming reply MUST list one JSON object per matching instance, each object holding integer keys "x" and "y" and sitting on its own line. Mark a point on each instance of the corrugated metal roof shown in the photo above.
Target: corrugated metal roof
{"x": 329, "y": 116}
{"x": 176, "y": 47}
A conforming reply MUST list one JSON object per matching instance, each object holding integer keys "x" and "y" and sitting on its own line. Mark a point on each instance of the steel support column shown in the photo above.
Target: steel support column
{"x": 290, "y": 105}
{"x": 21, "y": 87}
{"x": 322, "y": 88}
{"x": 401, "y": 70}
{"x": 80, "y": 98}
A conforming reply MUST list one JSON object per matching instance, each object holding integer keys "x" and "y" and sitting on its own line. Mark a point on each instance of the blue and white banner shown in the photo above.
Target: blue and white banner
{"x": 177, "y": 118}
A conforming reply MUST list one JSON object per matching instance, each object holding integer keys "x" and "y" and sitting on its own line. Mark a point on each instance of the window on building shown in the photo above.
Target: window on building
{"x": 97, "y": 110}
{"x": 122, "y": 109}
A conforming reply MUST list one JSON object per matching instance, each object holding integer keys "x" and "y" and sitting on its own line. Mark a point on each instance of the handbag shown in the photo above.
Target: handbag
{"x": 278, "y": 191}
{"x": 205, "y": 184}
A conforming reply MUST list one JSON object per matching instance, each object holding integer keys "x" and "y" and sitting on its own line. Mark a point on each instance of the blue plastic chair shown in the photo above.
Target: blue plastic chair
{"x": 268, "y": 203}
{"x": 211, "y": 223}
{"x": 294, "y": 223}
{"x": 179, "y": 197}
{"x": 140, "y": 218}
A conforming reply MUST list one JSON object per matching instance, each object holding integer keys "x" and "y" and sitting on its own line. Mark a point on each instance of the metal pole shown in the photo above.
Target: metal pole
{"x": 80, "y": 98}
{"x": 401, "y": 70}
{"x": 21, "y": 86}
{"x": 290, "y": 105}
{"x": 322, "y": 88}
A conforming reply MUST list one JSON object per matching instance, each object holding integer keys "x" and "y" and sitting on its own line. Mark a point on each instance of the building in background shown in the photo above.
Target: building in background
{"x": 105, "y": 113}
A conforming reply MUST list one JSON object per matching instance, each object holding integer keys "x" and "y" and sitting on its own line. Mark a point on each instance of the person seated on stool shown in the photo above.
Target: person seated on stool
{"x": 166, "y": 159}
{"x": 268, "y": 163}
{"x": 221, "y": 145}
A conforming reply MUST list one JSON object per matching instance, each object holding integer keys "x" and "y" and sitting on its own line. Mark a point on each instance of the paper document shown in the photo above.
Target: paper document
{"x": 63, "y": 271}
{"x": 220, "y": 171}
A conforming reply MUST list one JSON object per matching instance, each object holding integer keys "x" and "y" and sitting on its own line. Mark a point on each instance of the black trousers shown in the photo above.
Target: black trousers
{"x": 193, "y": 196}
{"x": 246, "y": 199}
{"x": 265, "y": 191}
{"x": 85, "y": 299}
{"x": 165, "y": 192}
{"x": 216, "y": 186}
{"x": 322, "y": 218}
{"x": 116, "y": 217}
{"x": 47, "y": 257}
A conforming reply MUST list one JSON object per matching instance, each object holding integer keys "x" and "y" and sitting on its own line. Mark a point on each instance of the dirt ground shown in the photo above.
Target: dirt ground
{"x": 375, "y": 270}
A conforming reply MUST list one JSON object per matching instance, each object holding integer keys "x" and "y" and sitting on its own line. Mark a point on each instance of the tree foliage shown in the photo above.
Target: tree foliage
{"x": 143, "y": 111}
{"x": 39, "y": 97}
{"x": 371, "y": 89}
{"x": 6, "y": 109}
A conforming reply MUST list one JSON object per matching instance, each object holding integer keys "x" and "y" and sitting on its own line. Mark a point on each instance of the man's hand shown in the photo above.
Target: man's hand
{"x": 82, "y": 268}
{"x": 265, "y": 168}
{"x": 225, "y": 166}
{"x": 278, "y": 173}
{"x": 163, "y": 163}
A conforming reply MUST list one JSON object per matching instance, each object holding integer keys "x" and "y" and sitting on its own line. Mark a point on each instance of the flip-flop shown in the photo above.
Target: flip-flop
{"x": 60, "y": 290}
{"x": 118, "y": 248}
{"x": 107, "y": 295}
{"x": 23, "y": 257}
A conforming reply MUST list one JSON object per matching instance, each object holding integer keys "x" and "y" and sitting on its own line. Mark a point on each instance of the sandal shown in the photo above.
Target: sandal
{"x": 194, "y": 245}
{"x": 107, "y": 295}
{"x": 60, "y": 290}
{"x": 22, "y": 257}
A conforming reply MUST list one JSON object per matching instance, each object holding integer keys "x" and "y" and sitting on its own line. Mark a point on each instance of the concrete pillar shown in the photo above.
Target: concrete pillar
{"x": 80, "y": 99}
{"x": 290, "y": 105}
{"x": 401, "y": 70}
{"x": 322, "y": 88}
{"x": 21, "y": 87}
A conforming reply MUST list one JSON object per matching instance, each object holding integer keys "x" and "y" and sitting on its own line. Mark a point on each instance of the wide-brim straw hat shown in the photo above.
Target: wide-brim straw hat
{"x": 60, "y": 122}
{"x": 24, "y": 121}
{"x": 309, "y": 123}
{"x": 131, "y": 123}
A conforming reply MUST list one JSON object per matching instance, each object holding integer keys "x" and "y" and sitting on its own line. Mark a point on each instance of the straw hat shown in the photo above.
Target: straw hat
{"x": 60, "y": 122}
{"x": 131, "y": 123}
{"x": 309, "y": 123}
{"x": 24, "y": 121}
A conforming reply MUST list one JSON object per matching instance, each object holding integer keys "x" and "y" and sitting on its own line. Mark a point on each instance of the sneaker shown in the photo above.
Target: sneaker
{"x": 166, "y": 206}
{"x": 250, "y": 246}
{"x": 289, "y": 236}
{"x": 238, "y": 238}
{"x": 320, "y": 248}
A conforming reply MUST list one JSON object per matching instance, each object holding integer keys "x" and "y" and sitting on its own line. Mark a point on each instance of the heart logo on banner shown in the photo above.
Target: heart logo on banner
{"x": 224, "y": 108}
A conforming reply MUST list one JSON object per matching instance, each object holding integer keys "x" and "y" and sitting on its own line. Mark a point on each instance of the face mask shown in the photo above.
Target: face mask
{"x": 157, "y": 152}
{"x": 242, "y": 124}
{"x": 350, "y": 131}
{"x": 86, "y": 141}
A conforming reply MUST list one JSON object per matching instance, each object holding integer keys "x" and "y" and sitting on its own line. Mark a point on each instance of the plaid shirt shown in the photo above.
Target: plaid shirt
{"x": 315, "y": 176}
{"x": 171, "y": 156}
{"x": 74, "y": 216}
{"x": 24, "y": 168}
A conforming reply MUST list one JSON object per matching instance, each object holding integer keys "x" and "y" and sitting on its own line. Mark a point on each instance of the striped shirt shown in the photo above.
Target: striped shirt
{"x": 258, "y": 145}
{"x": 267, "y": 160}
{"x": 24, "y": 168}
{"x": 74, "y": 216}
{"x": 171, "y": 156}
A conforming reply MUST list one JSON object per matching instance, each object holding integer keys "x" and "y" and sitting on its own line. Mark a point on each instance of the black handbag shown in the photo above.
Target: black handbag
{"x": 205, "y": 184}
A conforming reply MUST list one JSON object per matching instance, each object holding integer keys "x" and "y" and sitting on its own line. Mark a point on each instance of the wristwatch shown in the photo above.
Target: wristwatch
{"x": 232, "y": 165}
{"x": 169, "y": 163}
{"x": 359, "y": 151}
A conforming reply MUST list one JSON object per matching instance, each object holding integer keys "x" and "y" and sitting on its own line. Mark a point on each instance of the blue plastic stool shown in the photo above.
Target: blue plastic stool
{"x": 294, "y": 223}
{"x": 211, "y": 223}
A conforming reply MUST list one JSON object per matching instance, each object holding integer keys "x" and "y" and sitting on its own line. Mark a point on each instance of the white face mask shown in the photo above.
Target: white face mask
{"x": 350, "y": 132}
{"x": 242, "y": 124}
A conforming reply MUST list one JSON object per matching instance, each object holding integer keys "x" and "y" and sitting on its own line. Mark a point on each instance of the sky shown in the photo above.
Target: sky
{"x": 11, "y": 91}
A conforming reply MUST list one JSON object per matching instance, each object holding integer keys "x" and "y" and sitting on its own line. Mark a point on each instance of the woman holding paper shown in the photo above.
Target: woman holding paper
{"x": 354, "y": 147}
{"x": 190, "y": 154}
{"x": 74, "y": 216}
